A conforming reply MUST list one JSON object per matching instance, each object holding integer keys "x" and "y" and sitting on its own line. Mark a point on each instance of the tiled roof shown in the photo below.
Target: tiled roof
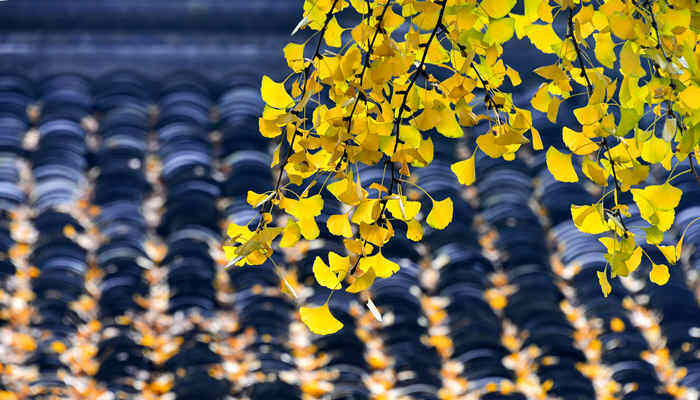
{"x": 116, "y": 190}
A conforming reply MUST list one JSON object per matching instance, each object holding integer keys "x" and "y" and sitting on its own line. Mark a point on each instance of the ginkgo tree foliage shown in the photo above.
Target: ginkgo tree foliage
{"x": 374, "y": 100}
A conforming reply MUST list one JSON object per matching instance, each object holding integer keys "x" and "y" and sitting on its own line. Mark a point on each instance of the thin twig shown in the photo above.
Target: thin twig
{"x": 307, "y": 73}
{"x": 589, "y": 86}
{"x": 397, "y": 122}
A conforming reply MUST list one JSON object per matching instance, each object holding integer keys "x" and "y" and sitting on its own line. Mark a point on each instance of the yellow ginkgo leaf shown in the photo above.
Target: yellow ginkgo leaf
{"x": 364, "y": 282}
{"x": 659, "y": 274}
{"x": 670, "y": 253}
{"x": 338, "y": 264}
{"x": 382, "y": 266}
{"x": 499, "y": 31}
{"x": 320, "y": 320}
{"x": 656, "y": 204}
{"x": 290, "y": 235}
{"x": 560, "y": 166}
{"x": 497, "y": 8}
{"x": 630, "y": 63}
{"x": 347, "y": 190}
{"x": 339, "y": 225}
{"x": 465, "y": 170}
{"x": 604, "y": 284}
{"x": 577, "y": 142}
{"x": 258, "y": 199}
{"x": 294, "y": 54}
{"x": 653, "y": 235}
{"x": 414, "y": 230}
{"x": 367, "y": 211}
{"x": 274, "y": 94}
{"x": 402, "y": 208}
{"x": 356, "y": 246}
{"x": 633, "y": 262}
{"x": 594, "y": 172}
{"x": 333, "y": 33}
{"x": 690, "y": 96}
{"x": 536, "y": 139}
{"x": 589, "y": 114}
{"x": 307, "y": 207}
{"x": 622, "y": 25}
{"x": 604, "y": 49}
{"x": 441, "y": 214}
{"x": 589, "y": 219}
{"x": 268, "y": 129}
{"x": 655, "y": 150}
{"x": 324, "y": 276}
{"x": 308, "y": 228}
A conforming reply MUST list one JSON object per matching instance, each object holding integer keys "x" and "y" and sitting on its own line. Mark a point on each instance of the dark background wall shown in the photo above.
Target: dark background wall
{"x": 154, "y": 37}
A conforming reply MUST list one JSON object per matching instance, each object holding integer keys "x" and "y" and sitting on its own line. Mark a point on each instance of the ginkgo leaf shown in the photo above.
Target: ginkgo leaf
{"x": 441, "y": 214}
{"x": 258, "y": 199}
{"x": 308, "y": 228}
{"x": 630, "y": 63}
{"x": 320, "y": 320}
{"x": 290, "y": 235}
{"x": 622, "y": 25}
{"x": 382, "y": 266}
{"x": 339, "y": 225}
{"x": 499, "y": 31}
{"x": 333, "y": 33}
{"x": 604, "y": 284}
{"x": 268, "y": 129}
{"x": 594, "y": 172}
{"x": 589, "y": 219}
{"x": 604, "y": 49}
{"x": 497, "y": 8}
{"x": 669, "y": 253}
{"x": 536, "y": 139}
{"x": 589, "y": 114}
{"x": 577, "y": 142}
{"x": 465, "y": 170}
{"x": 274, "y": 94}
{"x": 690, "y": 96}
{"x": 655, "y": 150}
{"x": 634, "y": 260}
{"x": 338, "y": 264}
{"x": 294, "y": 54}
{"x": 656, "y": 204}
{"x": 307, "y": 207}
{"x": 560, "y": 166}
{"x": 553, "y": 109}
{"x": 659, "y": 274}
{"x": 653, "y": 235}
{"x": 414, "y": 230}
{"x": 403, "y": 209}
{"x": 543, "y": 37}
{"x": 362, "y": 283}
{"x": 367, "y": 212}
{"x": 324, "y": 276}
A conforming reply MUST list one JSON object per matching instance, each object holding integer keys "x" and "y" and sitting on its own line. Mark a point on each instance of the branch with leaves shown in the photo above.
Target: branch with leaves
{"x": 376, "y": 101}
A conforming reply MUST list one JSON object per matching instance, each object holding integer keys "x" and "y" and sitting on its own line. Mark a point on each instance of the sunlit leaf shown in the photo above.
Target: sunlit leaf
{"x": 274, "y": 94}
{"x": 320, "y": 320}
{"x": 441, "y": 214}
{"x": 559, "y": 165}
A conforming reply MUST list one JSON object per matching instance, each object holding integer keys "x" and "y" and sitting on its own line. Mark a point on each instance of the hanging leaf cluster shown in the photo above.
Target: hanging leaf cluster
{"x": 372, "y": 80}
